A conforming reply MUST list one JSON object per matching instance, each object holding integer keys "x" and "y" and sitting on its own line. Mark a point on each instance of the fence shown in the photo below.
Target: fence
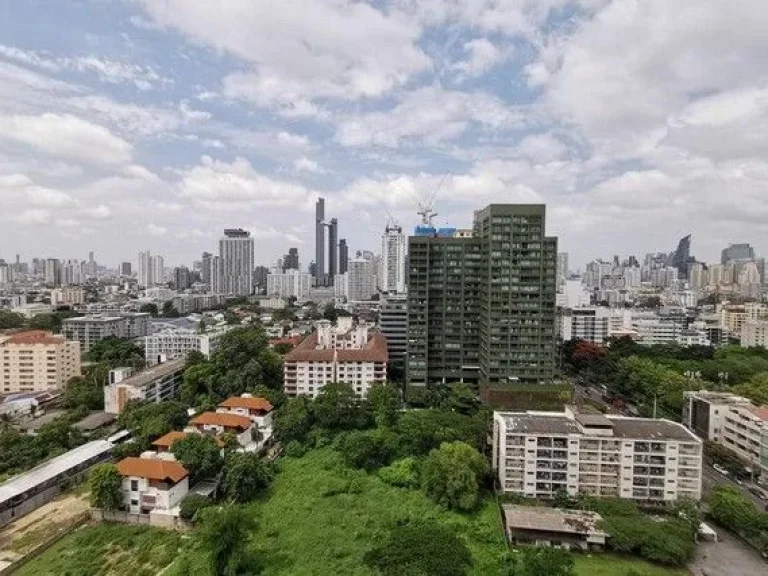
{"x": 155, "y": 520}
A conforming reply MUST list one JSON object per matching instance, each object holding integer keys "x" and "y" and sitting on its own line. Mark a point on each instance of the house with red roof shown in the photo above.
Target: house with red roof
{"x": 152, "y": 485}
{"x": 258, "y": 409}
{"x": 218, "y": 423}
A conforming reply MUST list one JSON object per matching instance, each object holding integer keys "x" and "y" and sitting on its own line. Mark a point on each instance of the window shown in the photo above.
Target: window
{"x": 134, "y": 502}
{"x": 134, "y": 485}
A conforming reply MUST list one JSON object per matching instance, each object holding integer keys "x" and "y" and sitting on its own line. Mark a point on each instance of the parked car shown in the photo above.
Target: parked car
{"x": 720, "y": 469}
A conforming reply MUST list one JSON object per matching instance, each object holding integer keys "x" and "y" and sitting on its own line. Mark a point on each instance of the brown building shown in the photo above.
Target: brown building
{"x": 37, "y": 361}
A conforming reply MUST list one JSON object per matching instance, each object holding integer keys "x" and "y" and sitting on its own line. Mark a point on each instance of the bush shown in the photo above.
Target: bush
{"x": 191, "y": 504}
{"x": 401, "y": 473}
{"x": 370, "y": 449}
{"x": 105, "y": 485}
{"x": 246, "y": 475}
{"x": 451, "y": 475}
{"x": 295, "y": 449}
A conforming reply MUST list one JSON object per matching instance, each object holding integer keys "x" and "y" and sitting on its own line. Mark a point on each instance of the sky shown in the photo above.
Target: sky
{"x": 128, "y": 125}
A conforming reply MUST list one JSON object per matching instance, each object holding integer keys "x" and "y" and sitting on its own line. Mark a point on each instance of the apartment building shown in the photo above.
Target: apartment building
{"x": 592, "y": 324}
{"x": 154, "y": 384}
{"x": 152, "y": 485}
{"x": 37, "y": 361}
{"x": 537, "y": 454}
{"x": 754, "y": 333}
{"x": 340, "y": 353}
{"x": 730, "y": 420}
{"x": 393, "y": 323}
{"x": 67, "y": 296}
{"x": 93, "y": 328}
{"x": 177, "y": 343}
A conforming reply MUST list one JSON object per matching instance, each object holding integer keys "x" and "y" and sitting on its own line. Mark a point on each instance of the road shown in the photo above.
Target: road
{"x": 711, "y": 477}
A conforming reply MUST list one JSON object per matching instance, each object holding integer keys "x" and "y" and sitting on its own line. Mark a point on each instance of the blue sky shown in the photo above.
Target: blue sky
{"x": 127, "y": 125}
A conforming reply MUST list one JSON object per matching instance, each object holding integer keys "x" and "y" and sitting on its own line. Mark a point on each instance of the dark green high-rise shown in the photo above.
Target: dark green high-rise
{"x": 481, "y": 304}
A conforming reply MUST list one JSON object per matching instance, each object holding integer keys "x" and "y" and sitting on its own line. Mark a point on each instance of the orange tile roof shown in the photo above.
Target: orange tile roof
{"x": 153, "y": 469}
{"x": 250, "y": 403}
{"x": 760, "y": 411}
{"x": 375, "y": 350}
{"x": 35, "y": 337}
{"x": 168, "y": 440}
{"x": 222, "y": 419}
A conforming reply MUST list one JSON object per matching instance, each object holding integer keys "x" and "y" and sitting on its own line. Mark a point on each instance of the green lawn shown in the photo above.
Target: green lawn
{"x": 114, "y": 549}
{"x": 612, "y": 565}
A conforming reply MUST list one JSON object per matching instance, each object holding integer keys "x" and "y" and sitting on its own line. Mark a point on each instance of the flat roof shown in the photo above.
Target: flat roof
{"x": 85, "y": 319}
{"x": 52, "y": 468}
{"x": 525, "y": 423}
{"x": 154, "y": 373}
{"x": 542, "y": 519}
{"x": 95, "y": 420}
{"x": 642, "y": 428}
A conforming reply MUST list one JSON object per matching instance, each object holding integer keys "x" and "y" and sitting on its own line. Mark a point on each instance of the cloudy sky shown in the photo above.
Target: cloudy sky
{"x": 135, "y": 124}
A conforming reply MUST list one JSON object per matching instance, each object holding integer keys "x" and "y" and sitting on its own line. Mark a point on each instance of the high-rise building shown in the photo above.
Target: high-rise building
{"x": 333, "y": 236}
{"x": 361, "y": 278}
{"x": 681, "y": 257}
{"x": 125, "y": 269}
{"x": 393, "y": 323}
{"x": 737, "y": 252}
{"x": 52, "y": 272}
{"x": 205, "y": 268}
{"x": 181, "y": 278}
{"x": 145, "y": 270}
{"x": 236, "y": 251}
{"x": 158, "y": 269}
{"x": 291, "y": 260}
{"x": 320, "y": 242}
{"x": 260, "y": 274}
{"x": 343, "y": 256}
{"x": 37, "y": 361}
{"x": 392, "y": 273}
{"x": 562, "y": 270}
{"x": 481, "y": 305}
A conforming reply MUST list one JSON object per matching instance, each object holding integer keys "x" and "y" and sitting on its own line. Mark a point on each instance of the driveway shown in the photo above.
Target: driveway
{"x": 728, "y": 557}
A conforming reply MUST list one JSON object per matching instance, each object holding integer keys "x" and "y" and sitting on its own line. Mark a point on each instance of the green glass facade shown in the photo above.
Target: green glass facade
{"x": 481, "y": 309}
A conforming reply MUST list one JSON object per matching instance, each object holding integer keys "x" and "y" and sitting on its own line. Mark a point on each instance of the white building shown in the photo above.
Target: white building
{"x": 592, "y": 324}
{"x": 236, "y": 249}
{"x": 152, "y": 485}
{"x": 361, "y": 279}
{"x": 729, "y": 420}
{"x": 289, "y": 283}
{"x": 151, "y": 270}
{"x": 67, "y": 296}
{"x": 537, "y": 454}
{"x": 154, "y": 384}
{"x": 218, "y": 423}
{"x": 393, "y": 249}
{"x": 341, "y": 353}
{"x": 93, "y": 328}
{"x": 754, "y": 333}
{"x": 258, "y": 409}
{"x": 177, "y": 343}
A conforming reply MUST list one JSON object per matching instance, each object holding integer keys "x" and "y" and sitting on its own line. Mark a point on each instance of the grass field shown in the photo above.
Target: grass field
{"x": 113, "y": 549}
{"x": 612, "y": 565}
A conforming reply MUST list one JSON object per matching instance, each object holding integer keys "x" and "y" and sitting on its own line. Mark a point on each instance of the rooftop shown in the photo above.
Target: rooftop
{"x": 221, "y": 419}
{"x": 94, "y": 421}
{"x": 627, "y": 427}
{"x": 154, "y": 469}
{"x": 168, "y": 440}
{"x": 149, "y": 375}
{"x": 33, "y": 337}
{"x": 50, "y": 469}
{"x": 760, "y": 411}
{"x": 92, "y": 318}
{"x": 528, "y": 423}
{"x": 375, "y": 350}
{"x": 248, "y": 402}
{"x": 551, "y": 520}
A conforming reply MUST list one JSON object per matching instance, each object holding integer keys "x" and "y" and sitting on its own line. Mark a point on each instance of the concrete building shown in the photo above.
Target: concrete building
{"x": 151, "y": 485}
{"x": 592, "y": 324}
{"x": 551, "y": 527}
{"x": 218, "y": 423}
{"x": 154, "y": 384}
{"x": 67, "y": 296}
{"x": 360, "y": 279}
{"x": 177, "y": 343}
{"x": 37, "y": 361}
{"x": 320, "y": 242}
{"x": 729, "y": 420}
{"x": 537, "y": 454}
{"x": 93, "y": 328}
{"x": 393, "y": 323}
{"x": 393, "y": 252}
{"x": 341, "y": 353}
{"x": 481, "y": 305}
{"x": 754, "y": 333}
{"x": 289, "y": 283}
{"x": 236, "y": 250}
{"x": 259, "y": 410}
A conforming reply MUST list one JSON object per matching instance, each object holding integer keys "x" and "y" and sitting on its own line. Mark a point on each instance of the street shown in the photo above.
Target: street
{"x": 711, "y": 477}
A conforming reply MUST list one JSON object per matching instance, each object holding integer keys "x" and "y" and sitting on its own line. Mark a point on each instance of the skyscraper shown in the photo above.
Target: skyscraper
{"x": 737, "y": 252}
{"x": 181, "y": 278}
{"x": 236, "y": 252}
{"x": 481, "y": 305}
{"x": 291, "y": 260}
{"x": 320, "y": 242}
{"x": 52, "y": 272}
{"x": 333, "y": 236}
{"x": 392, "y": 274}
{"x": 562, "y": 270}
{"x": 681, "y": 257}
{"x": 125, "y": 269}
{"x": 158, "y": 269}
{"x": 205, "y": 268}
{"x": 145, "y": 271}
{"x": 343, "y": 256}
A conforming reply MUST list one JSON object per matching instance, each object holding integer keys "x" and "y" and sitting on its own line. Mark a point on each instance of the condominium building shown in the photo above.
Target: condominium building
{"x": 592, "y": 324}
{"x": 481, "y": 304}
{"x": 177, "y": 343}
{"x": 341, "y": 353}
{"x": 236, "y": 251}
{"x": 754, "y": 333}
{"x": 393, "y": 323}
{"x": 393, "y": 249}
{"x": 729, "y": 420}
{"x": 538, "y": 454}
{"x": 93, "y": 328}
{"x": 289, "y": 283}
{"x": 37, "y": 361}
{"x": 155, "y": 384}
{"x": 67, "y": 296}
{"x": 360, "y": 279}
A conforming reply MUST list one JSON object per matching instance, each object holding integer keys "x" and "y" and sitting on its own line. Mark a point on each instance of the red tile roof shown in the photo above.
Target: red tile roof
{"x": 35, "y": 337}
{"x": 222, "y": 419}
{"x": 375, "y": 350}
{"x": 760, "y": 411}
{"x": 250, "y": 403}
{"x": 168, "y": 440}
{"x": 153, "y": 469}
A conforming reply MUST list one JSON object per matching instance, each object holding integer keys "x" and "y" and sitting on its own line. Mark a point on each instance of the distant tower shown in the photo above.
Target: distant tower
{"x": 333, "y": 233}
{"x": 343, "y": 256}
{"x": 392, "y": 273}
{"x": 320, "y": 242}
{"x": 236, "y": 252}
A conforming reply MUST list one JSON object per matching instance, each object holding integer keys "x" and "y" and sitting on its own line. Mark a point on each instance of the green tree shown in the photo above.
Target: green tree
{"x": 275, "y": 397}
{"x": 200, "y": 455}
{"x": 245, "y": 477}
{"x": 151, "y": 308}
{"x": 424, "y": 430}
{"x": 116, "y": 353}
{"x": 461, "y": 398}
{"x": 152, "y": 420}
{"x": 105, "y": 484}
{"x": 224, "y": 533}
{"x": 367, "y": 449}
{"x": 191, "y": 505}
{"x": 330, "y": 312}
{"x": 197, "y": 383}
{"x": 756, "y": 388}
{"x": 451, "y": 475}
{"x": 403, "y": 473}
{"x": 293, "y": 420}
{"x": 10, "y": 320}
{"x": 169, "y": 310}
{"x": 384, "y": 400}
{"x": 282, "y": 348}
{"x": 539, "y": 562}
{"x": 731, "y": 509}
{"x": 420, "y": 548}
{"x": 195, "y": 357}
{"x": 338, "y": 407}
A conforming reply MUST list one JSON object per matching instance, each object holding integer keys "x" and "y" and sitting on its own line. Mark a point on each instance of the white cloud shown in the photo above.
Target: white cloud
{"x": 100, "y": 212}
{"x": 155, "y": 230}
{"x": 66, "y": 136}
{"x": 34, "y": 216}
{"x": 305, "y": 164}
{"x": 482, "y": 55}
{"x": 47, "y": 197}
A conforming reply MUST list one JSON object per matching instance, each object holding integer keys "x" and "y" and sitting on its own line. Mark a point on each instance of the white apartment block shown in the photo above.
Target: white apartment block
{"x": 341, "y": 353}
{"x": 177, "y": 343}
{"x": 592, "y": 324}
{"x": 92, "y": 328}
{"x": 154, "y": 384}
{"x": 754, "y": 333}
{"x": 393, "y": 250}
{"x": 537, "y": 454}
{"x": 361, "y": 279}
{"x": 729, "y": 420}
{"x": 289, "y": 283}
{"x": 37, "y": 361}
{"x": 67, "y": 297}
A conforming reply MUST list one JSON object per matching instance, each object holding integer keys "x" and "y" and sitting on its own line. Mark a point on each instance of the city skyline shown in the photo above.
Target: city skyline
{"x": 635, "y": 125}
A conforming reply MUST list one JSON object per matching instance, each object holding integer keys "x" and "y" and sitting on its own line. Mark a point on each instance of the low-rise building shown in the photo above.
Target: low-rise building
{"x": 93, "y": 328}
{"x": 341, "y": 353}
{"x": 154, "y": 384}
{"x": 218, "y": 423}
{"x": 177, "y": 343}
{"x": 258, "y": 409}
{"x": 754, "y": 333}
{"x": 537, "y": 454}
{"x": 152, "y": 484}
{"x": 289, "y": 283}
{"x": 37, "y": 361}
{"x": 551, "y": 527}
{"x": 67, "y": 296}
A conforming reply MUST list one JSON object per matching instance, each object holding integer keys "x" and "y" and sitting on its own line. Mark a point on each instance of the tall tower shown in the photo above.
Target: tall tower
{"x": 343, "y": 256}
{"x": 320, "y": 242}
{"x": 236, "y": 252}
{"x": 333, "y": 234}
{"x": 145, "y": 271}
{"x": 392, "y": 273}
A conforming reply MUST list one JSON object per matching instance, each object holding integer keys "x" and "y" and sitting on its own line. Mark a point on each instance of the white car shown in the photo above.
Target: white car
{"x": 720, "y": 469}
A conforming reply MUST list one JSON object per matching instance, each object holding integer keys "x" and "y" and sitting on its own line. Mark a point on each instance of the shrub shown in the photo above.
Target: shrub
{"x": 401, "y": 473}
{"x": 191, "y": 504}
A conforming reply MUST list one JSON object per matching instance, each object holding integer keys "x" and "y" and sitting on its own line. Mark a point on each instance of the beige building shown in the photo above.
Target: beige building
{"x": 754, "y": 333}
{"x": 68, "y": 296}
{"x": 37, "y": 361}
{"x": 537, "y": 454}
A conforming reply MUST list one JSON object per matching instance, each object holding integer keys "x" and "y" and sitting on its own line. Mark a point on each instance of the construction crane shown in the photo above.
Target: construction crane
{"x": 427, "y": 207}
